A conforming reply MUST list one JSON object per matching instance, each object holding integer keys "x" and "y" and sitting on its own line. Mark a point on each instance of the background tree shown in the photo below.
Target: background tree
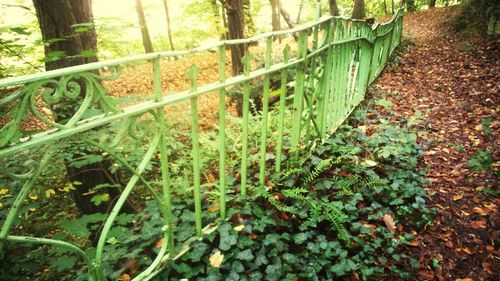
{"x": 146, "y": 39}
{"x": 410, "y": 5}
{"x": 275, "y": 14}
{"x": 286, "y": 16}
{"x": 358, "y": 11}
{"x": 432, "y": 3}
{"x": 74, "y": 48}
{"x": 169, "y": 31}
{"x": 334, "y": 9}
{"x": 236, "y": 29}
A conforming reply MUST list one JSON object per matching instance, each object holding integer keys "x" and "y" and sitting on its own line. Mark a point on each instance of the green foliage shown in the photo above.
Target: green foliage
{"x": 481, "y": 161}
{"x": 288, "y": 230}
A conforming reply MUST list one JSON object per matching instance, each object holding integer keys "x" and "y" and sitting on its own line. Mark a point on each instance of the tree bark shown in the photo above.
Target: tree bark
{"x": 146, "y": 39}
{"x": 236, "y": 26}
{"x": 286, "y": 16}
{"x": 334, "y": 9}
{"x": 432, "y": 3}
{"x": 275, "y": 15}
{"x": 56, "y": 24}
{"x": 359, "y": 10}
{"x": 169, "y": 31}
{"x": 410, "y": 5}
{"x": 385, "y": 7}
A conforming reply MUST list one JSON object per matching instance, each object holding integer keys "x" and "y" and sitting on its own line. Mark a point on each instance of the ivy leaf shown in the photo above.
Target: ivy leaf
{"x": 216, "y": 259}
{"x": 245, "y": 255}
{"x": 65, "y": 262}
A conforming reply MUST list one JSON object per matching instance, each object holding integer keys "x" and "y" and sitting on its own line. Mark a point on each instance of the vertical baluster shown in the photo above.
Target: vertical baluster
{"x": 222, "y": 132}
{"x": 324, "y": 86}
{"x": 265, "y": 110}
{"x": 310, "y": 93}
{"x": 281, "y": 116}
{"x": 298, "y": 96}
{"x": 165, "y": 173}
{"x": 193, "y": 74}
{"x": 246, "y": 99}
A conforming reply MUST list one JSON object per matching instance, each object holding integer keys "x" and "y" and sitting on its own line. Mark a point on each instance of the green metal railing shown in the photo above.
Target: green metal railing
{"x": 321, "y": 78}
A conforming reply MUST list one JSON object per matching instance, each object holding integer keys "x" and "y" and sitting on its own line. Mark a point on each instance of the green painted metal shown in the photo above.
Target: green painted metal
{"x": 265, "y": 113}
{"x": 195, "y": 138}
{"x": 319, "y": 85}
{"x": 222, "y": 133}
{"x": 246, "y": 104}
{"x": 281, "y": 114}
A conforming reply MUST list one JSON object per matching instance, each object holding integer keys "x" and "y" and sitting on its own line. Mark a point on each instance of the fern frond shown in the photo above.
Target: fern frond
{"x": 336, "y": 218}
{"x": 322, "y": 166}
{"x": 291, "y": 172}
{"x": 346, "y": 184}
{"x": 295, "y": 193}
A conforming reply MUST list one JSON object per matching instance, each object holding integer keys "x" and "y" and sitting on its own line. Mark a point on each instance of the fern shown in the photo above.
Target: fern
{"x": 295, "y": 193}
{"x": 291, "y": 172}
{"x": 346, "y": 184}
{"x": 322, "y": 166}
{"x": 336, "y": 218}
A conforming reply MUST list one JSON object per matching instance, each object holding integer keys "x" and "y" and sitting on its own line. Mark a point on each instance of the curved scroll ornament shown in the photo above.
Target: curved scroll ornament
{"x": 75, "y": 94}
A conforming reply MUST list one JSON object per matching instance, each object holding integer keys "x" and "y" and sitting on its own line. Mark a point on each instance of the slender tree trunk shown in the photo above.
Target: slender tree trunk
{"x": 385, "y": 8}
{"x": 217, "y": 17}
{"x": 392, "y": 6}
{"x": 334, "y": 9}
{"x": 169, "y": 31}
{"x": 248, "y": 19}
{"x": 286, "y": 16}
{"x": 236, "y": 26}
{"x": 432, "y": 3}
{"x": 58, "y": 24}
{"x": 359, "y": 10}
{"x": 301, "y": 5}
{"x": 224, "y": 22}
{"x": 275, "y": 15}
{"x": 146, "y": 39}
{"x": 410, "y": 5}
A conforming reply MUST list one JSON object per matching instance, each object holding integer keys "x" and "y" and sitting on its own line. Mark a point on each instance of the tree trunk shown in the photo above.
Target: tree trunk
{"x": 224, "y": 22}
{"x": 432, "y": 3}
{"x": 275, "y": 14}
{"x": 334, "y": 9}
{"x": 410, "y": 5}
{"x": 286, "y": 17}
{"x": 392, "y": 6}
{"x": 248, "y": 19}
{"x": 146, "y": 40}
{"x": 385, "y": 7}
{"x": 58, "y": 24}
{"x": 359, "y": 10}
{"x": 220, "y": 26}
{"x": 169, "y": 31}
{"x": 236, "y": 26}
{"x": 301, "y": 5}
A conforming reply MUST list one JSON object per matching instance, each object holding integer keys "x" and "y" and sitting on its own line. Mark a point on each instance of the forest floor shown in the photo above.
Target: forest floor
{"x": 454, "y": 80}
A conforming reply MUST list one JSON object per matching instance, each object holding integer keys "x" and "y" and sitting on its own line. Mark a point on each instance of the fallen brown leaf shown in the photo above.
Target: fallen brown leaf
{"x": 389, "y": 222}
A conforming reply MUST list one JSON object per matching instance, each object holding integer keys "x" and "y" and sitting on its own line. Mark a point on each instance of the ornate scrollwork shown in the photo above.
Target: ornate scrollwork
{"x": 73, "y": 94}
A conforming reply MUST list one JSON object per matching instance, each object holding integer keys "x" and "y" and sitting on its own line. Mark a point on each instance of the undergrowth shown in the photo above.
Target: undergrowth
{"x": 349, "y": 212}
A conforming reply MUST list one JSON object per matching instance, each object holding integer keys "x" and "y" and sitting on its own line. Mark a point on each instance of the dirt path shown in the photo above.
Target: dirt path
{"x": 455, "y": 83}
